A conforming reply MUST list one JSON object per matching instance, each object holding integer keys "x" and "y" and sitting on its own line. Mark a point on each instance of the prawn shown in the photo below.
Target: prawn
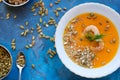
{"x": 92, "y": 28}
{"x": 95, "y": 30}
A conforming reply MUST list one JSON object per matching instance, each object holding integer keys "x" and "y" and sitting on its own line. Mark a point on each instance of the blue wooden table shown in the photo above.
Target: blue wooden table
{"x": 45, "y": 67}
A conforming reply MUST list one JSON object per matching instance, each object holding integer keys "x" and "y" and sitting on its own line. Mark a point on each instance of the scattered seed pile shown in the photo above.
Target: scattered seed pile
{"x": 5, "y": 62}
{"x": 38, "y": 9}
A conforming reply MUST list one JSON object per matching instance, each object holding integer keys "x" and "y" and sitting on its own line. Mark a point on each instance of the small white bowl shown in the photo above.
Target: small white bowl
{"x": 113, "y": 65}
{"x": 11, "y": 62}
{"x": 15, "y": 5}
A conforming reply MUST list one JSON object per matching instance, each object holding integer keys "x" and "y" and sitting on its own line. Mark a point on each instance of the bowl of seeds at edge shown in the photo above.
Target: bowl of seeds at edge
{"x": 5, "y": 62}
{"x": 15, "y": 3}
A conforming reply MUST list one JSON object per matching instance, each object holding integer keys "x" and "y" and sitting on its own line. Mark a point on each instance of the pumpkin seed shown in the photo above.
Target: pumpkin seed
{"x": 27, "y": 47}
{"x": 94, "y": 17}
{"x": 21, "y": 27}
{"x": 51, "y": 5}
{"x": 26, "y": 23}
{"x": 33, "y": 66}
{"x": 30, "y": 45}
{"x": 44, "y": 23}
{"x": 52, "y": 39}
{"x": 56, "y": 2}
{"x": 40, "y": 20}
{"x": 64, "y": 8}
{"x": 51, "y": 56}
{"x": 13, "y": 45}
{"x": 22, "y": 33}
{"x": 88, "y": 17}
{"x": 15, "y": 16}
{"x": 46, "y": 11}
{"x": 33, "y": 37}
{"x": 59, "y": 9}
{"x": 54, "y": 11}
{"x": 57, "y": 14}
{"x": 33, "y": 43}
{"x": 13, "y": 40}
{"x": 51, "y": 18}
{"x": 56, "y": 25}
{"x": 91, "y": 14}
{"x": 7, "y": 15}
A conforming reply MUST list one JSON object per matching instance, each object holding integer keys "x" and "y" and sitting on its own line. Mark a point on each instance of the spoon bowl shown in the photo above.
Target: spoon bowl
{"x": 20, "y": 62}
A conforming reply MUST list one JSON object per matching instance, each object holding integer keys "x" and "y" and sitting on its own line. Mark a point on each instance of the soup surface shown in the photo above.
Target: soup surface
{"x": 91, "y": 40}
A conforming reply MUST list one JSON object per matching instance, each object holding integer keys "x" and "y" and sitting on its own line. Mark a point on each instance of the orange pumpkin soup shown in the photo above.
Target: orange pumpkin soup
{"x": 91, "y": 40}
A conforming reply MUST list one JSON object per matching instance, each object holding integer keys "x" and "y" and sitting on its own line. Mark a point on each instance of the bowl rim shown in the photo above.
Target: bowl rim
{"x": 15, "y": 5}
{"x": 11, "y": 61}
{"x": 63, "y": 56}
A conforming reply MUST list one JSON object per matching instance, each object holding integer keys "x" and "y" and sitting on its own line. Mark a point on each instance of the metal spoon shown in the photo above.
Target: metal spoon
{"x": 20, "y": 62}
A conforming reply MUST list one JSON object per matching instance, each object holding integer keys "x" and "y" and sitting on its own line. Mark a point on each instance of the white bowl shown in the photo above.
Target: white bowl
{"x": 113, "y": 65}
{"x": 15, "y": 5}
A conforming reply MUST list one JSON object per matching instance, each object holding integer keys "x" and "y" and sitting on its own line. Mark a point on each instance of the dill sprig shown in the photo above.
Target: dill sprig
{"x": 92, "y": 37}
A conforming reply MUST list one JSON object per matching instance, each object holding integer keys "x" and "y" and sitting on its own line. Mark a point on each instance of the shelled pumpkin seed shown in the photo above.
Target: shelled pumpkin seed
{"x": 51, "y": 5}
{"x": 31, "y": 30}
{"x": 58, "y": 9}
{"x": 25, "y": 32}
{"x": 40, "y": 20}
{"x": 38, "y": 28}
{"x": 33, "y": 40}
{"x": 51, "y": 21}
{"x": 13, "y": 44}
{"x": 27, "y": 47}
{"x": 33, "y": 66}
{"x": 57, "y": 2}
{"x": 46, "y": 11}
{"x": 91, "y": 16}
{"x": 22, "y": 27}
{"x": 57, "y": 14}
{"x": 15, "y": 16}
{"x": 51, "y": 53}
{"x": 33, "y": 9}
{"x": 52, "y": 39}
{"x": 31, "y": 44}
{"x": 45, "y": 24}
{"x": 64, "y": 8}
{"x": 7, "y": 15}
{"x": 56, "y": 25}
{"x": 26, "y": 23}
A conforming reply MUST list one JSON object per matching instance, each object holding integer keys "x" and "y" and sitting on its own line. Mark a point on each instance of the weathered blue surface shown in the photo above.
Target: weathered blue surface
{"x": 45, "y": 68}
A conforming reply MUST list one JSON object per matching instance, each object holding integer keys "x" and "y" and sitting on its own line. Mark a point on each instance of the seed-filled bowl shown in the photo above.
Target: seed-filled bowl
{"x": 15, "y": 3}
{"x": 5, "y": 62}
{"x": 87, "y": 40}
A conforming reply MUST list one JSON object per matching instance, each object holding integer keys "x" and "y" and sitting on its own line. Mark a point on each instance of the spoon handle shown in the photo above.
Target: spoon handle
{"x": 20, "y": 71}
